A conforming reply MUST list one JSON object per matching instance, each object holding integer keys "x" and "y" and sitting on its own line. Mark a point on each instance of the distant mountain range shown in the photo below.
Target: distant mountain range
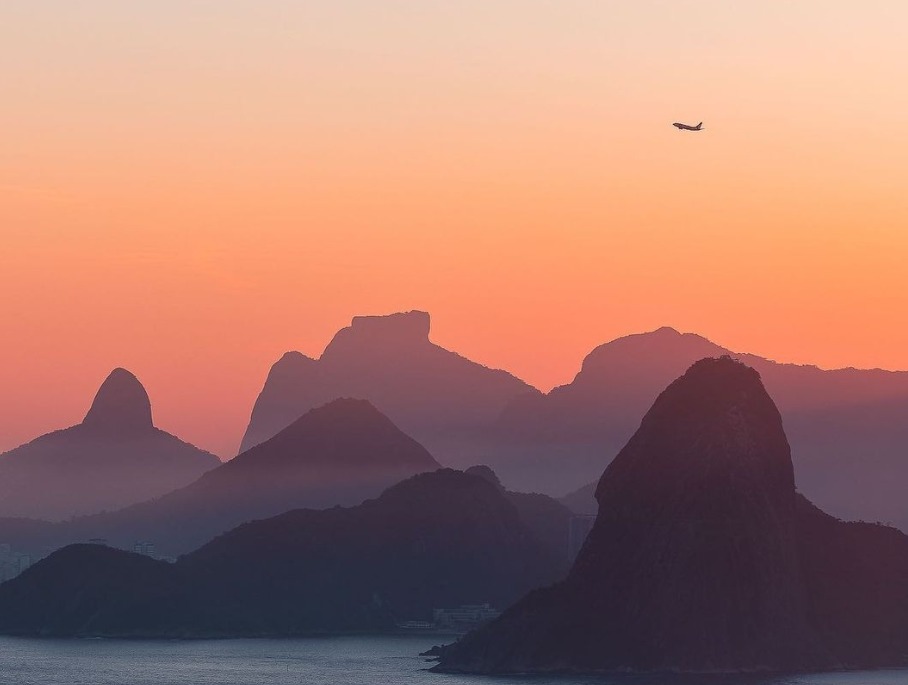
{"x": 847, "y": 427}
{"x": 338, "y": 454}
{"x": 114, "y": 458}
{"x": 435, "y": 395}
{"x": 703, "y": 558}
{"x": 435, "y": 540}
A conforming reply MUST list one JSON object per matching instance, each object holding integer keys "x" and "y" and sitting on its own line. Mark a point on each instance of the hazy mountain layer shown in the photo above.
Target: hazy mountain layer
{"x": 703, "y": 558}
{"x": 436, "y": 540}
{"x": 847, "y": 428}
{"x": 437, "y": 396}
{"x": 114, "y": 458}
{"x": 338, "y": 454}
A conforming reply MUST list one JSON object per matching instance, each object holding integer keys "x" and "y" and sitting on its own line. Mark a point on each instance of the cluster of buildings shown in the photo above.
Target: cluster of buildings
{"x": 147, "y": 549}
{"x": 467, "y": 616}
{"x": 457, "y": 620}
{"x": 464, "y": 617}
{"x": 143, "y": 547}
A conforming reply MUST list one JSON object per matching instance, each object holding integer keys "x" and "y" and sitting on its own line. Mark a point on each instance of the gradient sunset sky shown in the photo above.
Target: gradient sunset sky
{"x": 188, "y": 189}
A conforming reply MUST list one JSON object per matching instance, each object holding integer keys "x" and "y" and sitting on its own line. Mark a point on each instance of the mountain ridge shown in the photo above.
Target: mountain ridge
{"x": 429, "y": 391}
{"x": 437, "y": 539}
{"x": 703, "y": 557}
{"x": 338, "y": 454}
{"x": 115, "y": 457}
{"x": 845, "y": 426}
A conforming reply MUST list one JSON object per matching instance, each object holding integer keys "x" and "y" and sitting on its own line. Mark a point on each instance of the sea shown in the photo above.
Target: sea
{"x": 317, "y": 661}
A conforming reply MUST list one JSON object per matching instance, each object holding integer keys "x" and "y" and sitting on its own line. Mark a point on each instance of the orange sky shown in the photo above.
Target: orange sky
{"x": 189, "y": 189}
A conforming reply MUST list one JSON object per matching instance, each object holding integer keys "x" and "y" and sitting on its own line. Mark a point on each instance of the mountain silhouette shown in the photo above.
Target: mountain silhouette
{"x": 546, "y": 517}
{"x": 339, "y": 454}
{"x": 114, "y": 458}
{"x": 438, "y": 539}
{"x": 435, "y": 395}
{"x": 847, "y": 427}
{"x": 703, "y": 558}
{"x": 121, "y": 405}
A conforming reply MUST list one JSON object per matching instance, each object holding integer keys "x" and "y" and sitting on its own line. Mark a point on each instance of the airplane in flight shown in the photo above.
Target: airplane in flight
{"x": 687, "y": 127}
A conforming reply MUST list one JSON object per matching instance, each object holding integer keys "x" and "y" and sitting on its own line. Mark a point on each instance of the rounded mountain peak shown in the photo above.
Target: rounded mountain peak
{"x": 121, "y": 403}
{"x": 345, "y": 432}
{"x": 663, "y": 352}
{"x": 693, "y": 561}
{"x": 486, "y": 473}
{"x": 292, "y": 367}
{"x": 715, "y": 429}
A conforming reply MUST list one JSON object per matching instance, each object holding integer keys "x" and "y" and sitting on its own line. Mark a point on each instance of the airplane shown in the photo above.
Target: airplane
{"x": 686, "y": 127}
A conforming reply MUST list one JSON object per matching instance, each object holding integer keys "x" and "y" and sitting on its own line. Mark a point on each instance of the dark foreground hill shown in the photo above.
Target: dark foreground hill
{"x": 439, "y": 539}
{"x": 703, "y": 558}
{"x": 114, "y": 458}
{"x": 433, "y": 394}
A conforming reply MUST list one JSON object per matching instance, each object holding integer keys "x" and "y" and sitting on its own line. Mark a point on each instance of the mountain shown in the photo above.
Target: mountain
{"x": 703, "y": 558}
{"x": 339, "y": 454}
{"x": 847, "y": 427}
{"x": 547, "y": 518}
{"x": 114, "y": 458}
{"x": 438, "y": 539}
{"x": 858, "y": 586}
{"x": 93, "y": 582}
{"x": 435, "y": 395}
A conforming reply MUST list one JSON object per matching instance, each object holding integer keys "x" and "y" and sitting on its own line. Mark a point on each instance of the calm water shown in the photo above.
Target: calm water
{"x": 330, "y": 661}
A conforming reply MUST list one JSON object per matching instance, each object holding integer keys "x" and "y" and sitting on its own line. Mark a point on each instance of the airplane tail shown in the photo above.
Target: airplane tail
{"x": 700, "y": 125}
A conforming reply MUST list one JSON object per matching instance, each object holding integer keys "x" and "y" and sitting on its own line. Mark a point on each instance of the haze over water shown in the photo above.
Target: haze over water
{"x": 329, "y": 661}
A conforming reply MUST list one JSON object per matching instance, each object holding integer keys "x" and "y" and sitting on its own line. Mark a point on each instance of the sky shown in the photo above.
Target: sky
{"x": 189, "y": 189}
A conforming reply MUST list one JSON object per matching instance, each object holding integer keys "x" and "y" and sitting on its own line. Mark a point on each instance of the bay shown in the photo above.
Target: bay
{"x": 368, "y": 660}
